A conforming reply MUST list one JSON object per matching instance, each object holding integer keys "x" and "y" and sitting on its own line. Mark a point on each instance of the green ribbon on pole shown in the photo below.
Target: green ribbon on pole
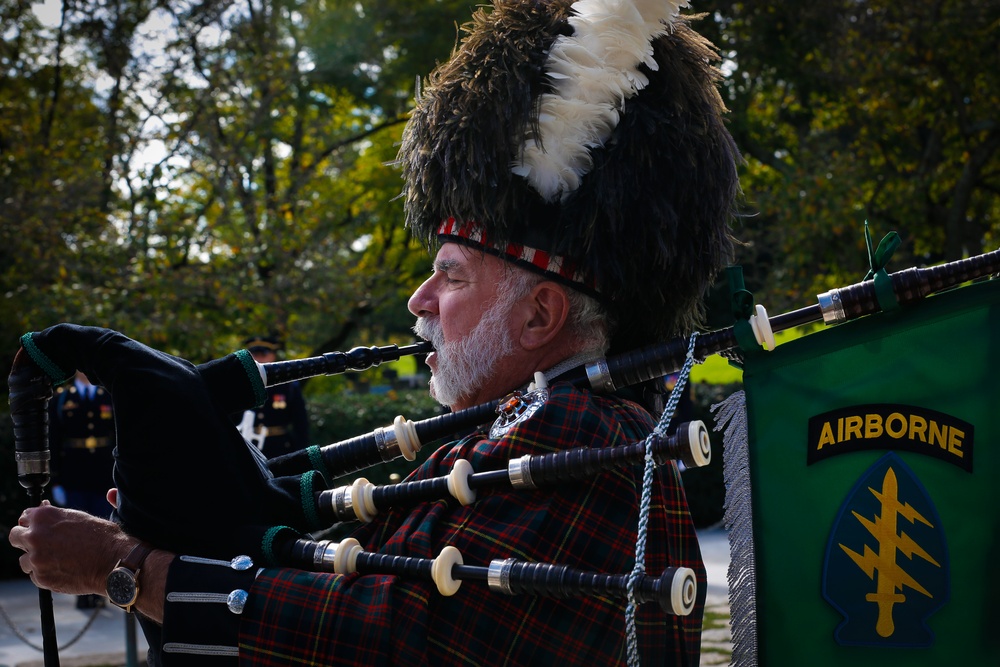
{"x": 877, "y": 260}
{"x": 741, "y": 304}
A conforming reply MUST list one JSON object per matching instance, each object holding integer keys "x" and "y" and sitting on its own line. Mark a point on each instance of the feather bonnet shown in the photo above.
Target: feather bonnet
{"x": 585, "y": 140}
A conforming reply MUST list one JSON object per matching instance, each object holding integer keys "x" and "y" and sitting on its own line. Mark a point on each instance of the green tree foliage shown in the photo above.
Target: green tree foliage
{"x": 54, "y": 178}
{"x": 190, "y": 173}
{"x": 854, "y": 111}
{"x": 193, "y": 172}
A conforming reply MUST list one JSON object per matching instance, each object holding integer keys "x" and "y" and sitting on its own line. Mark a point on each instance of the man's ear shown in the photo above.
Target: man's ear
{"x": 548, "y": 308}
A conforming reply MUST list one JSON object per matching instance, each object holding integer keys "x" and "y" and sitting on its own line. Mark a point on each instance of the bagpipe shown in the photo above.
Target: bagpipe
{"x": 188, "y": 481}
{"x": 174, "y": 431}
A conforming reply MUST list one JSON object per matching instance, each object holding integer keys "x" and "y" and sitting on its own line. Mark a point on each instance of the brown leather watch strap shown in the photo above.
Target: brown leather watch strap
{"x": 136, "y": 557}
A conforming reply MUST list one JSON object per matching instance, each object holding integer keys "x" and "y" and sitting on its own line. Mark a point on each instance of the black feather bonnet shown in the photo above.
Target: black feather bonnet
{"x": 584, "y": 140}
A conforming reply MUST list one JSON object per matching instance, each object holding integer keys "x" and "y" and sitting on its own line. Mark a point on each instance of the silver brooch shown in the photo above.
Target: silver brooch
{"x": 516, "y": 408}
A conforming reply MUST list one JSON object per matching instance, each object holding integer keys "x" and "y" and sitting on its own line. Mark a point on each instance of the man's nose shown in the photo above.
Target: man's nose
{"x": 423, "y": 302}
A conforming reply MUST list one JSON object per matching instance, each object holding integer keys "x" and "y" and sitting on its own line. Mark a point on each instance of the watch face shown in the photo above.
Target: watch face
{"x": 121, "y": 587}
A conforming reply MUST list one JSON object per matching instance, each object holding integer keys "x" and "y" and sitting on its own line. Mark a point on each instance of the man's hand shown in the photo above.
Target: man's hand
{"x": 66, "y": 550}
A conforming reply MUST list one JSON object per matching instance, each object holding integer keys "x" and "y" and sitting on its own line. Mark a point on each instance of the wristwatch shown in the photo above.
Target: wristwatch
{"x": 122, "y": 586}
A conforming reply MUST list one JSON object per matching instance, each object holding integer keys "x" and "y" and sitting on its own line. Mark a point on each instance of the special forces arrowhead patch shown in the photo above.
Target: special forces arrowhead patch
{"x": 886, "y": 566}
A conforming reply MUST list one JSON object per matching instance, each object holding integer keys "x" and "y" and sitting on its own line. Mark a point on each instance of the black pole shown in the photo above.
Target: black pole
{"x": 30, "y": 392}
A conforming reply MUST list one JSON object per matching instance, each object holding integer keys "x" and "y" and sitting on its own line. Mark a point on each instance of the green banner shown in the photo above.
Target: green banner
{"x": 874, "y": 454}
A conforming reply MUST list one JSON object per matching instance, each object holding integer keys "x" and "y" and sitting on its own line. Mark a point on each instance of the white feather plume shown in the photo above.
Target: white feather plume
{"x": 593, "y": 73}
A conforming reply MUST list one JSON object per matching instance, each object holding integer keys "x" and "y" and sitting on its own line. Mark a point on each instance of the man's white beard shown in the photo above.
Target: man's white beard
{"x": 464, "y": 366}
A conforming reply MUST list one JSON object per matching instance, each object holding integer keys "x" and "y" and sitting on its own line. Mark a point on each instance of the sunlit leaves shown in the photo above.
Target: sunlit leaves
{"x": 850, "y": 111}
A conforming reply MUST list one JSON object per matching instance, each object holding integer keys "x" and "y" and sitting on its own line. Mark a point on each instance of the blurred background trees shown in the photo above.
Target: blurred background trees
{"x": 849, "y": 111}
{"x": 193, "y": 172}
{"x": 189, "y": 172}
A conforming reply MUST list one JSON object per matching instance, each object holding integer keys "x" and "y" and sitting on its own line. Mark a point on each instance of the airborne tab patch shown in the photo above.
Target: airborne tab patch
{"x": 886, "y": 566}
{"x": 891, "y": 426}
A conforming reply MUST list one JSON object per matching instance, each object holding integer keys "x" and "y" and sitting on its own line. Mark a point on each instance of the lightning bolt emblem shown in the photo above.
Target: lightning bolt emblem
{"x": 881, "y": 566}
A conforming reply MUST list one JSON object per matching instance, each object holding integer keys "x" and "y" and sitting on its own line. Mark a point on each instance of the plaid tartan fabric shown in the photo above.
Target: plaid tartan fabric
{"x": 297, "y": 617}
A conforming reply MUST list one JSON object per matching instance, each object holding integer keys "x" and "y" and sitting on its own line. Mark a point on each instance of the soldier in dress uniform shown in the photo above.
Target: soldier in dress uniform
{"x": 82, "y": 441}
{"x": 283, "y": 414}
